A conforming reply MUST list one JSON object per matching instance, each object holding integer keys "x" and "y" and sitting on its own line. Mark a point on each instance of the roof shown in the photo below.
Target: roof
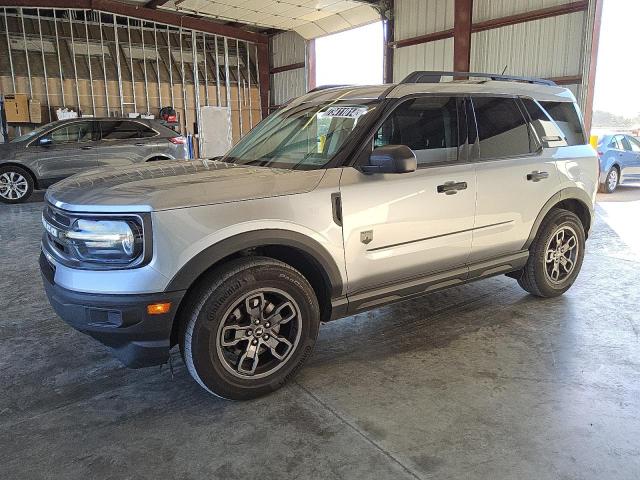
{"x": 459, "y": 87}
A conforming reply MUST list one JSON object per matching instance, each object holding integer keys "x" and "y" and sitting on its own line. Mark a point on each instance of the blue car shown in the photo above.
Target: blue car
{"x": 619, "y": 161}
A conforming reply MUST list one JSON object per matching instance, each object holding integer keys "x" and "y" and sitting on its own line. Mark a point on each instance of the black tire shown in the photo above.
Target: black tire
{"x": 20, "y": 194}
{"x": 535, "y": 277}
{"x": 610, "y": 184}
{"x": 218, "y": 303}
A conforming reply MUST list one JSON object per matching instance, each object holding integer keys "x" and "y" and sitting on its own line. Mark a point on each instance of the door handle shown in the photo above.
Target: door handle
{"x": 451, "y": 188}
{"x": 536, "y": 176}
{"x": 86, "y": 147}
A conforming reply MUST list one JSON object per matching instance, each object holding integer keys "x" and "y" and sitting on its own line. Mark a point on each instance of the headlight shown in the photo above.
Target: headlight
{"x": 116, "y": 242}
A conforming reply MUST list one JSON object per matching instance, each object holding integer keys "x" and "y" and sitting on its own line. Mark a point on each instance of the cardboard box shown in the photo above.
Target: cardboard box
{"x": 16, "y": 108}
{"x": 35, "y": 111}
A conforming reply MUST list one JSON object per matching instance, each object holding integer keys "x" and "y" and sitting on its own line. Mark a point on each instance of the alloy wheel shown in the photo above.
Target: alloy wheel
{"x": 13, "y": 186}
{"x": 258, "y": 333}
{"x": 561, "y": 253}
{"x": 612, "y": 180}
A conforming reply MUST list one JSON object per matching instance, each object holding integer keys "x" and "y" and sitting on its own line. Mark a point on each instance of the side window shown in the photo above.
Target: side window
{"x": 566, "y": 117}
{"x": 119, "y": 130}
{"x": 502, "y": 128}
{"x": 540, "y": 121}
{"x": 427, "y": 125}
{"x": 615, "y": 143}
{"x": 635, "y": 145}
{"x": 76, "y": 132}
{"x": 146, "y": 132}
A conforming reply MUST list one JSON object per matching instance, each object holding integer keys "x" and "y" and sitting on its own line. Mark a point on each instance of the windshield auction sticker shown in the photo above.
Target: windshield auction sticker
{"x": 345, "y": 112}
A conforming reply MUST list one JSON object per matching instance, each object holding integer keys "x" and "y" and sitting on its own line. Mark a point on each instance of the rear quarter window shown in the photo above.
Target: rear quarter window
{"x": 566, "y": 116}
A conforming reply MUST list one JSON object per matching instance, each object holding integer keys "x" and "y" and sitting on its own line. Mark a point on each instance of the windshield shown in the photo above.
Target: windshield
{"x": 304, "y": 137}
{"x": 31, "y": 134}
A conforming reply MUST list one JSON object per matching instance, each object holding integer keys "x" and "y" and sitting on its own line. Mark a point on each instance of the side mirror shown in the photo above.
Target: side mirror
{"x": 44, "y": 141}
{"x": 391, "y": 159}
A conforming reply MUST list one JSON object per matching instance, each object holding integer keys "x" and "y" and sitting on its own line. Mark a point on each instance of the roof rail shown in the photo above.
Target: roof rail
{"x": 326, "y": 87}
{"x": 436, "y": 76}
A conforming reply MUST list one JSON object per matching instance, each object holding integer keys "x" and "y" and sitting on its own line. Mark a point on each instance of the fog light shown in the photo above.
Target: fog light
{"x": 158, "y": 308}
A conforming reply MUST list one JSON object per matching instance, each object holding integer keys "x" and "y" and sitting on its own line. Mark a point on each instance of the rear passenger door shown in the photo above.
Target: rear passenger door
{"x": 124, "y": 142}
{"x": 515, "y": 175}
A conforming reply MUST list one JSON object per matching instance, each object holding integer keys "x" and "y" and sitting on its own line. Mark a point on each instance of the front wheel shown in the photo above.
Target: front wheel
{"x": 249, "y": 327}
{"x": 16, "y": 185}
{"x": 555, "y": 256}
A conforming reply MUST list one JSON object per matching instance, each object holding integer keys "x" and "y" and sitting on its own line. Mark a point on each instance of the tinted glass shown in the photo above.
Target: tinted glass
{"x": 73, "y": 133}
{"x": 544, "y": 127}
{"x": 119, "y": 130}
{"x": 635, "y": 145}
{"x": 146, "y": 132}
{"x": 301, "y": 137}
{"x": 502, "y": 129}
{"x": 566, "y": 117}
{"x": 427, "y": 125}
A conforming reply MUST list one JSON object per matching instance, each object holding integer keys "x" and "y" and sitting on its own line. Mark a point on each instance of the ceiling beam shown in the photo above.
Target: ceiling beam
{"x": 155, "y": 3}
{"x": 148, "y": 14}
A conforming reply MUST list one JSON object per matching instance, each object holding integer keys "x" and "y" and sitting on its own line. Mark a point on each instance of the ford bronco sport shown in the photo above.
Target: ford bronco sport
{"x": 346, "y": 199}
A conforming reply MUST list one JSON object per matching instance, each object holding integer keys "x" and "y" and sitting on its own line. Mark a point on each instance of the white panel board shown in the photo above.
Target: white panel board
{"x": 436, "y": 55}
{"x": 215, "y": 131}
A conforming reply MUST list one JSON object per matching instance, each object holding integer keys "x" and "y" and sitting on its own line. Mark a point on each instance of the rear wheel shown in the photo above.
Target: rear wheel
{"x": 16, "y": 184}
{"x": 611, "y": 182}
{"x": 249, "y": 327}
{"x": 555, "y": 256}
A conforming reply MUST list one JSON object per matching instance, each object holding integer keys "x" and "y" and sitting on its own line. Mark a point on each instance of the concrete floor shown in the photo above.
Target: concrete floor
{"x": 481, "y": 381}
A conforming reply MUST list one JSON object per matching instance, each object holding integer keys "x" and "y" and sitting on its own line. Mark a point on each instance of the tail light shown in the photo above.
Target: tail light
{"x": 178, "y": 140}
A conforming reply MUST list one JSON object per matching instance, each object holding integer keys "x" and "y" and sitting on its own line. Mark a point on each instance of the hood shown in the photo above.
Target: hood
{"x": 167, "y": 185}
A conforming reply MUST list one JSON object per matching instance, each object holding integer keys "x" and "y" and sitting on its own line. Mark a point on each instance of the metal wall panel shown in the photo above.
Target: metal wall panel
{"x": 491, "y": 9}
{"x": 426, "y": 56}
{"x": 287, "y": 85}
{"x": 550, "y": 47}
{"x": 419, "y": 17}
{"x": 286, "y": 49}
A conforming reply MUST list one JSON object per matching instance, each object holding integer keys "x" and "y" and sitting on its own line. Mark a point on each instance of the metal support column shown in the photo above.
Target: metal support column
{"x": 184, "y": 87}
{"x": 196, "y": 85}
{"x": 249, "y": 83}
{"x": 133, "y": 77}
{"x": 118, "y": 65}
{"x": 206, "y": 73}
{"x": 104, "y": 65}
{"x": 73, "y": 56}
{"x": 215, "y": 39}
{"x": 239, "y": 94}
{"x": 26, "y": 52}
{"x": 86, "y": 33}
{"x": 144, "y": 66}
{"x": 170, "y": 67}
{"x": 44, "y": 64}
{"x": 155, "y": 40}
{"x": 55, "y": 26}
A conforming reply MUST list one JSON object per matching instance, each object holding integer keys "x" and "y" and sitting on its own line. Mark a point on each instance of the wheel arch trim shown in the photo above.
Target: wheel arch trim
{"x": 213, "y": 254}
{"x": 571, "y": 193}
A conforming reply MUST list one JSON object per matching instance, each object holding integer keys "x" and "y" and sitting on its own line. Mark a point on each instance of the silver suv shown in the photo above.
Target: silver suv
{"x": 347, "y": 199}
{"x": 66, "y": 147}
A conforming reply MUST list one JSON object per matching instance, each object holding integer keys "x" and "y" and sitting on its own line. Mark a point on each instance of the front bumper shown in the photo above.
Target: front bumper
{"x": 120, "y": 322}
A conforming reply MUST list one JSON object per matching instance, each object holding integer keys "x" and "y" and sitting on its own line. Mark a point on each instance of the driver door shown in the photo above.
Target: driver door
{"x": 64, "y": 151}
{"x": 399, "y": 228}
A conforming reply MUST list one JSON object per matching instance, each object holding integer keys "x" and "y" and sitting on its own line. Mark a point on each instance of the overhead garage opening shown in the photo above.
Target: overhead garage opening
{"x": 351, "y": 57}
